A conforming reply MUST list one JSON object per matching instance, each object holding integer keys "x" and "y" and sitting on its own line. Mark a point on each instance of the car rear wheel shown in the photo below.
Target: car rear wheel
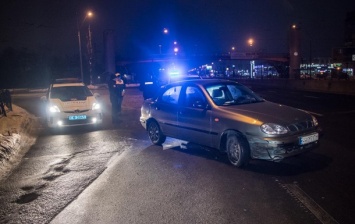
{"x": 155, "y": 134}
{"x": 237, "y": 150}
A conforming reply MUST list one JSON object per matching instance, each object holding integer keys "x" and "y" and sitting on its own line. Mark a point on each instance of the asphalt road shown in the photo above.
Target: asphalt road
{"x": 114, "y": 174}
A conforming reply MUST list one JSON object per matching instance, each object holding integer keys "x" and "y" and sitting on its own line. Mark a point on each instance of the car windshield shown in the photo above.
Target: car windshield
{"x": 224, "y": 94}
{"x": 67, "y": 93}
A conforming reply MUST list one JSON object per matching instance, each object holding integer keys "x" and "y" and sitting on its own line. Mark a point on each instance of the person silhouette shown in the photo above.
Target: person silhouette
{"x": 117, "y": 90}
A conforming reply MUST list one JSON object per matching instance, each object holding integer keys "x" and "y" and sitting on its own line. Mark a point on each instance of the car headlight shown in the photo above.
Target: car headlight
{"x": 96, "y": 106}
{"x": 315, "y": 121}
{"x": 273, "y": 129}
{"x": 53, "y": 109}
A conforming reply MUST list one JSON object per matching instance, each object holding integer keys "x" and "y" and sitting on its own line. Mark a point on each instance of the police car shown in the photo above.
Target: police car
{"x": 69, "y": 102}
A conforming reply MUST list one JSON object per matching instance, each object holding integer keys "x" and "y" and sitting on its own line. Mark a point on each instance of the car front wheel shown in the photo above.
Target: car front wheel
{"x": 155, "y": 134}
{"x": 237, "y": 150}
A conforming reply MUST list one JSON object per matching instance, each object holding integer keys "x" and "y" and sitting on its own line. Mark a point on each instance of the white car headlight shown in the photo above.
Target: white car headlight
{"x": 315, "y": 121}
{"x": 273, "y": 129}
{"x": 53, "y": 109}
{"x": 96, "y": 106}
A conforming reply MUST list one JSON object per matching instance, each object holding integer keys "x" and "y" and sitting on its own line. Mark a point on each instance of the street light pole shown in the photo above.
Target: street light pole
{"x": 81, "y": 58}
{"x": 90, "y": 55}
{"x": 252, "y": 63}
{"x": 88, "y": 14}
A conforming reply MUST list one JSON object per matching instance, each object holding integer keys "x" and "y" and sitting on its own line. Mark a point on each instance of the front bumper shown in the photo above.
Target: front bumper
{"x": 277, "y": 149}
{"x": 55, "y": 120}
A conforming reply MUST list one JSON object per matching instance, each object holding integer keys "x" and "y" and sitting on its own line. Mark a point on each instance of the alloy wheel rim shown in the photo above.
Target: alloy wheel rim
{"x": 154, "y": 132}
{"x": 235, "y": 151}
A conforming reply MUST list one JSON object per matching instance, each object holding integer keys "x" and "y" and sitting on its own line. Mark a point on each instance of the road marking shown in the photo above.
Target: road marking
{"x": 345, "y": 112}
{"x": 313, "y": 97}
{"x": 309, "y": 203}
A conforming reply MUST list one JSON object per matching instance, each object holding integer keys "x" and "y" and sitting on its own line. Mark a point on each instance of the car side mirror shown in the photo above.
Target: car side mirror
{"x": 97, "y": 95}
{"x": 201, "y": 105}
{"x": 43, "y": 98}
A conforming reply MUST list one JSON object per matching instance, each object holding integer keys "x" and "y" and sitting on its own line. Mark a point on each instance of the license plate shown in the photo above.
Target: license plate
{"x": 77, "y": 117}
{"x": 308, "y": 139}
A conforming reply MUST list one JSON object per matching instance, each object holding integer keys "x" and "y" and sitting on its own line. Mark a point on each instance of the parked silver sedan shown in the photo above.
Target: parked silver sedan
{"x": 228, "y": 116}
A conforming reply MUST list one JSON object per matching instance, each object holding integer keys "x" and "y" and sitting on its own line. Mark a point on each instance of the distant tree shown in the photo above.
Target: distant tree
{"x": 8, "y": 68}
{"x": 28, "y": 69}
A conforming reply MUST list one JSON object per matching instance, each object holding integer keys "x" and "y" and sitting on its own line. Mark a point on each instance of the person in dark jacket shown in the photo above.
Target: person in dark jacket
{"x": 116, "y": 87}
{"x": 2, "y": 103}
{"x": 7, "y": 99}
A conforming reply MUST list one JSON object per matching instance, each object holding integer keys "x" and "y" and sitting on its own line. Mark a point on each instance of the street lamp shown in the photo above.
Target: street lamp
{"x": 252, "y": 62}
{"x": 163, "y": 41}
{"x": 88, "y": 14}
{"x": 176, "y": 50}
{"x": 251, "y": 42}
{"x": 159, "y": 48}
{"x": 232, "y": 50}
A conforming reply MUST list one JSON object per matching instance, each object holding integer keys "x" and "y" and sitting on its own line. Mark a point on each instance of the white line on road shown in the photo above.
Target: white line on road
{"x": 345, "y": 112}
{"x": 313, "y": 97}
{"x": 312, "y": 206}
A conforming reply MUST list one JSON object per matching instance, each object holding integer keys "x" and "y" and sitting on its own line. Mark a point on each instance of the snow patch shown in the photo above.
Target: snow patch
{"x": 17, "y": 135}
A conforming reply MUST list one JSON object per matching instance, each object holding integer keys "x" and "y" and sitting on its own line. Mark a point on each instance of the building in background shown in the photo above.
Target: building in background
{"x": 344, "y": 57}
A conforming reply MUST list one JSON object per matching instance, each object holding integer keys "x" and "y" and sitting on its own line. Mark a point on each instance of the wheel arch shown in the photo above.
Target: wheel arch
{"x": 149, "y": 121}
{"x": 223, "y": 139}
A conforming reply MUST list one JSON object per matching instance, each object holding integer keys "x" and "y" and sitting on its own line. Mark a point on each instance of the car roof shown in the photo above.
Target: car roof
{"x": 185, "y": 77}
{"x": 67, "y": 82}
{"x": 205, "y": 81}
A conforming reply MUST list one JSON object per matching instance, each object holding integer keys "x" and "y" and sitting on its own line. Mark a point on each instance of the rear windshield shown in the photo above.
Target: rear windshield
{"x": 67, "y": 93}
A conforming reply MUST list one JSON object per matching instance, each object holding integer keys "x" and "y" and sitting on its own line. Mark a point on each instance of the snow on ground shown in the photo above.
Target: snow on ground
{"x": 17, "y": 135}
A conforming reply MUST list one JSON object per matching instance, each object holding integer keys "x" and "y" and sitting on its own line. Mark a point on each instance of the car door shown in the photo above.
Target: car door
{"x": 165, "y": 111}
{"x": 194, "y": 116}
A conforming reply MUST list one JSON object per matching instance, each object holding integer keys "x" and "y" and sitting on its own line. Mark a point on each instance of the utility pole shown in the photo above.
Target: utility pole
{"x": 294, "y": 51}
{"x": 90, "y": 54}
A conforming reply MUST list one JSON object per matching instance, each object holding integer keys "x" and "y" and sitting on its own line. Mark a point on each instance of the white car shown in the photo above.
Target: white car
{"x": 70, "y": 102}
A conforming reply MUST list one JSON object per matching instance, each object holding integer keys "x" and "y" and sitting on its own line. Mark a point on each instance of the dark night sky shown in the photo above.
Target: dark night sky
{"x": 208, "y": 26}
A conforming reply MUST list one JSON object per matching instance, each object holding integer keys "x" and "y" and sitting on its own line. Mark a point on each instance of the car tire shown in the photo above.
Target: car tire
{"x": 237, "y": 150}
{"x": 155, "y": 134}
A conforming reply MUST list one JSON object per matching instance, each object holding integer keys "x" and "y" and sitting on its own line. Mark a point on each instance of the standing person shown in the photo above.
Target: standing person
{"x": 7, "y": 99}
{"x": 2, "y": 107}
{"x": 117, "y": 90}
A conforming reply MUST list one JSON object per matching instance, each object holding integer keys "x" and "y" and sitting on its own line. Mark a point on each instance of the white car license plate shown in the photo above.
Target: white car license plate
{"x": 308, "y": 139}
{"x": 77, "y": 117}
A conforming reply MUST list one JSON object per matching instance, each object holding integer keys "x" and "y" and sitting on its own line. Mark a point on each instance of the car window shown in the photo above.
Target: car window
{"x": 193, "y": 95}
{"x": 66, "y": 93}
{"x": 232, "y": 94}
{"x": 171, "y": 95}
